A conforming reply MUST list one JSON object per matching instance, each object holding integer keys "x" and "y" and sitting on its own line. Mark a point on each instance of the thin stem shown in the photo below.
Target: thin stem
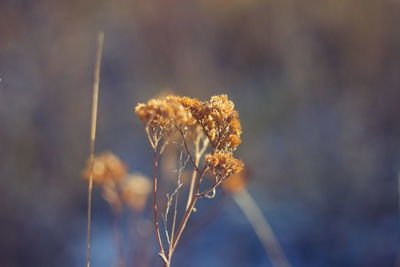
{"x": 188, "y": 211}
{"x": 173, "y": 225}
{"x": 95, "y": 98}
{"x": 194, "y": 173}
{"x": 120, "y": 259}
{"x": 183, "y": 223}
{"x": 149, "y": 137}
{"x": 155, "y": 212}
{"x": 181, "y": 168}
{"x": 205, "y": 145}
{"x": 398, "y": 206}
{"x": 198, "y": 154}
{"x": 212, "y": 188}
{"x": 262, "y": 228}
{"x": 188, "y": 151}
{"x": 89, "y": 213}
{"x": 175, "y": 205}
{"x": 204, "y": 220}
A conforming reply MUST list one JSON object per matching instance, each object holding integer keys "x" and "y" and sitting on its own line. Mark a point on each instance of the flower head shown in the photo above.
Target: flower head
{"x": 135, "y": 190}
{"x": 223, "y": 164}
{"x": 165, "y": 112}
{"x": 219, "y": 120}
{"x": 106, "y": 166}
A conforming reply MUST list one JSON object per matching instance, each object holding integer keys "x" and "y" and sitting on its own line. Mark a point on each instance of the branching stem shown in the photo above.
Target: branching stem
{"x": 188, "y": 211}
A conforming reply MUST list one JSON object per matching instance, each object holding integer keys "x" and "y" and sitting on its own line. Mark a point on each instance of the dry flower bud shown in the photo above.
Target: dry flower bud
{"x": 106, "y": 166}
{"x": 220, "y": 122}
{"x": 135, "y": 190}
{"x": 165, "y": 112}
{"x": 223, "y": 164}
{"x": 217, "y": 117}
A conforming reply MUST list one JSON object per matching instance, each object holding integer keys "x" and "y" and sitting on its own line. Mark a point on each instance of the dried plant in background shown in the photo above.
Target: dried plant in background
{"x": 135, "y": 191}
{"x": 236, "y": 186}
{"x": 95, "y": 98}
{"x": 206, "y": 134}
{"x": 119, "y": 189}
{"x": 108, "y": 171}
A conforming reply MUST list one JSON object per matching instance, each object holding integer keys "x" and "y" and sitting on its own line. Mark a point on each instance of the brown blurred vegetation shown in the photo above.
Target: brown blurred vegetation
{"x": 316, "y": 82}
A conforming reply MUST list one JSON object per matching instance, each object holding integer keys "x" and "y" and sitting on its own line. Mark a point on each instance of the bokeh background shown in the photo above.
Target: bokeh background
{"x": 316, "y": 84}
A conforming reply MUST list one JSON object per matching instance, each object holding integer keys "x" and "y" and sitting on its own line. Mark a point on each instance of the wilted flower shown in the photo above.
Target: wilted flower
{"x": 106, "y": 166}
{"x": 223, "y": 164}
{"x": 219, "y": 120}
{"x": 213, "y": 123}
{"x": 135, "y": 189}
{"x": 216, "y": 118}
{"x": 166, "y": 113}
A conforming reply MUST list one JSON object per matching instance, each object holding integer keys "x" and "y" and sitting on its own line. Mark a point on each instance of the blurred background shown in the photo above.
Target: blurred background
{"x": 316, "y": 84}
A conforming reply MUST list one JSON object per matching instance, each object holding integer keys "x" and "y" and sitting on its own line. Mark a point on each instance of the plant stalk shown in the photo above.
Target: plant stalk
{"x": 262, "y": 228}
{"x": 95, "y": 100}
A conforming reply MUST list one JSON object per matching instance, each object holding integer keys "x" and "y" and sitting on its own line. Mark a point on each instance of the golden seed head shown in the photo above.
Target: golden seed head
{"x": 223, "y": 164}
{"x": 165, "y": 112}
{"x": 220, "y": 122}
{"x": 216, "y": 118}
{"x": 106, "y": 166}
{"x": 135, "y": 190}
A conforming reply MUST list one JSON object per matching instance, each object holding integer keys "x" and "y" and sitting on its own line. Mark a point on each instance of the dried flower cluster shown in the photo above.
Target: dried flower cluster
{"x": 118, "y": 187}
{"x": 135, "y": 190}
{"x": 105, "y": 167}
{"x": 223, "y": 164}
{"x": 198, "y": 125}
{"x": 166, "y": 113}
{"x": 217, "y": 118}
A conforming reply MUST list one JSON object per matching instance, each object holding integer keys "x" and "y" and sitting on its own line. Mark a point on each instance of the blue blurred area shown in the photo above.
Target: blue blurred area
{"x": 316, "y": 84}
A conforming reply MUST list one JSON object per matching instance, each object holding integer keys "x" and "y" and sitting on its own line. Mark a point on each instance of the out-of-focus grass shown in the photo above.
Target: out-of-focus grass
{"x": 316, "y": 84}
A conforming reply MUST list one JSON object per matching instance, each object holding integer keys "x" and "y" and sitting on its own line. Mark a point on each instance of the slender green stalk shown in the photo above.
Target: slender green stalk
{"x": 95, "y": 99}
{"x": 262, "y": 228}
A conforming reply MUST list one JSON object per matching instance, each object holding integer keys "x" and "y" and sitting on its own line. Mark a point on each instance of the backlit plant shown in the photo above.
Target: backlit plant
{"x": 206, "y": 134}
